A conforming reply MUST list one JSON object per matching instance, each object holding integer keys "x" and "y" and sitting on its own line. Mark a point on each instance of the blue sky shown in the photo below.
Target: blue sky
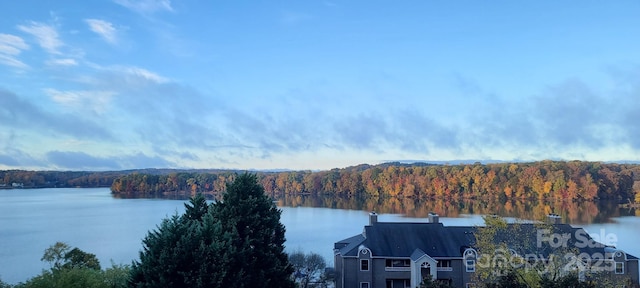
{"x": 121, "y": 84}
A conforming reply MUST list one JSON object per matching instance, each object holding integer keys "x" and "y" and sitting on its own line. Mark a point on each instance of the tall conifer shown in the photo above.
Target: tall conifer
{"x": 259, "y": 259}
{"x": 238, "y": 242}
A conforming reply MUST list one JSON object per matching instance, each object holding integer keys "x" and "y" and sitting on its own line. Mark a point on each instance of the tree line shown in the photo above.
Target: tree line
{"x": 80, "y": 179}
{"x": 57, "y": 179}
{"x": 544, "y": 180}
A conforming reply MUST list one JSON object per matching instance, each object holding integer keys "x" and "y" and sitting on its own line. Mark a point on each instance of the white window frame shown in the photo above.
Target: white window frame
{"x": 442, "y": 262}
{"x": 470, "y": 267}
{"x": 365, "y": 285}
{"x": 621, "y": 271}
{"x": 368, "y": 266}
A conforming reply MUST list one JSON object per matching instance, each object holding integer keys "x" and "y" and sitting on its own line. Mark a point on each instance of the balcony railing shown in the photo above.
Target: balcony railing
{"x": 447, "y": 269}
{"x": 397, "y": 269}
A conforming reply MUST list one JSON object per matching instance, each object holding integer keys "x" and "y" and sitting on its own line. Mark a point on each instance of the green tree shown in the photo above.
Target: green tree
{"x": 114, "y": 277}
{"x": 4, "y": 285}
{"x": 238, "y": 242}
{"x": 77, "y": 258}
{"x": 55, "y": 254}
{"x": 184, "y": 251}
{"x": 500, "y": 265}
{"x": 68, "y": 278}
{"x": 257, "y": 257}
{"x": 71, "y": 268}
{"x": 117, "y": 276}
{"x": 61, "y": 256}
{"x": 569, "y": 280}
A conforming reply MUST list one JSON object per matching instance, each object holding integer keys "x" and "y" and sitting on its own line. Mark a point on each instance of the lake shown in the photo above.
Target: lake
{"x": 91, "y": 219}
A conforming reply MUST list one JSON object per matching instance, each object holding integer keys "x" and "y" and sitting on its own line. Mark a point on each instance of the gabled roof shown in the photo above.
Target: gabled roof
{"x": 349, "y": 244}
{"x": 397, "y": 239}
{"x": 417, "y": 254}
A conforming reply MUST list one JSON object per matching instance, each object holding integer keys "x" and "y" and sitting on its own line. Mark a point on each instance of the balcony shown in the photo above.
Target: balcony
{"x": 397, "y": 269}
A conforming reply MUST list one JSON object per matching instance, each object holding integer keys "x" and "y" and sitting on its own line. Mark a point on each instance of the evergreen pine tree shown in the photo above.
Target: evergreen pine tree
{"x": 184, "y": 251}
{"x": 238, "y": 242}
{"x": 259, "y": 259}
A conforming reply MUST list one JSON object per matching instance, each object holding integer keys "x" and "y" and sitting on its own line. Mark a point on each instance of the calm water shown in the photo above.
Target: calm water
{"x": 92, "y": 220}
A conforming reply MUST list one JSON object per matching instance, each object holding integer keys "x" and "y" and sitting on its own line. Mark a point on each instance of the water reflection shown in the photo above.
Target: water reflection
{"x": 571, "y": 212}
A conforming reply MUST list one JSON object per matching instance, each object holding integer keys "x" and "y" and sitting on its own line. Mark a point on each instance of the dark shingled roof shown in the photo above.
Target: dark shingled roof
{"x": 401, "y": 240}
{"x": 397, "y": 239}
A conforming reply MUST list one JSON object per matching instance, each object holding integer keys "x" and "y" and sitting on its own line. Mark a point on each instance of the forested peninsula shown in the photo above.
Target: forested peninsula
{"x": 551, "y": 180}
{"x": 543, "y": 180}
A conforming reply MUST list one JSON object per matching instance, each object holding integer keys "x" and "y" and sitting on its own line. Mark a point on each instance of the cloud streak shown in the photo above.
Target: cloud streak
{"x": 46, "y": 36}
{"x": 104, "y": 29}
{"x": 19, "y": 113}
{"x": 96, "y": 101}
{"x": 62, "y": 62}
{"x": 10, "y": 48}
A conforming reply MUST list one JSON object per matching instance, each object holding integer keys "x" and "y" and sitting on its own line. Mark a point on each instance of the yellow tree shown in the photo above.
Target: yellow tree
{"x": 572, "y": 190}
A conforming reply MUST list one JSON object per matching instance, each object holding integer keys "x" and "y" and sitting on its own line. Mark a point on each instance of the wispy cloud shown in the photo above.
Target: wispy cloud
{"x": 46, "y": 35}
{"x": 62, "y": 62}
{"x": 146, "y": 6}
{"x": 12, "y": 61}
{"x": 156, "y": 109}
{"x": 96, "y": 101}
{"x": 20, "y": 113}
{"x": 104, "y": 29}
{"x": 146, "y": 74}
{"x": 11, "y": 44}
{"x": 122, "y": 78}
{"x": 10, "y": 47}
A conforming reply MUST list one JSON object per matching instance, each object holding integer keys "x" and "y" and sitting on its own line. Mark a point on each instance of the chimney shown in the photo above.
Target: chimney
{"x": 434, "y": 217}
{"x": 554, "y": 219}
{"x": 373, "y": 218}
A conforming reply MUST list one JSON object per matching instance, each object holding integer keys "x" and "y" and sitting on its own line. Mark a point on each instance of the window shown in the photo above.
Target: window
{"x": 619, "y": 267}
{"x": 444, "y": 263}
{"x": 364, "y": 265}
{"x": 364, "y": 284}
{"x": 470, "y": 265}
{"x": 404, "y": 283}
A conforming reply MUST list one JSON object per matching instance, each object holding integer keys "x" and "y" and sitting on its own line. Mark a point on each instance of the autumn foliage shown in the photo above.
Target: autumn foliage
{"x": 544, "y": 180}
